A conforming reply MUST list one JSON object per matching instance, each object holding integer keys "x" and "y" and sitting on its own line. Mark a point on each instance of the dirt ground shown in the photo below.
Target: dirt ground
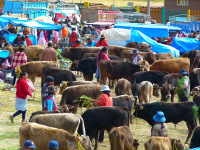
{"x": 9, "y": 136}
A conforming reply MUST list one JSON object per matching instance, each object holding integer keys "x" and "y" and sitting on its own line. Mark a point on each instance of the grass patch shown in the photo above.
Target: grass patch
{"x": 9, "y": 135}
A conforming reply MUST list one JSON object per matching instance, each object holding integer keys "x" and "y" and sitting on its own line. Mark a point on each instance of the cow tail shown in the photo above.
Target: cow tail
{"x": 83, "y": 126}
{"x": 148, "y": 97}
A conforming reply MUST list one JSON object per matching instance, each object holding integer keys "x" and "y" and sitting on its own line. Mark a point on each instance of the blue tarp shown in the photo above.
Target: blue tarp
{"x": 139, "y": 37}
{"x": 3, "y": 22}
{"x": 185, "y": 44}
{"x": 197, "y": 148}
{"x": 4, "y": 53}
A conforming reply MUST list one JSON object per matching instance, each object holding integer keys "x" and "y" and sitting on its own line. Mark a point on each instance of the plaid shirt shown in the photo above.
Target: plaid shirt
{"x": 18, "y": 59}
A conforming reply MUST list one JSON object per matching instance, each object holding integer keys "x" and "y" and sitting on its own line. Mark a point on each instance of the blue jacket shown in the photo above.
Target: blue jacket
{"x": 92, "y": 44}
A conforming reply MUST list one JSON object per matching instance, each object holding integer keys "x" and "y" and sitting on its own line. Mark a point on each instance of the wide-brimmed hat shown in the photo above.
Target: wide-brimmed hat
{"x": 134, "y": 51}
{"x": 51, "y": 88}
{"x": 53, "y": 145}
{"x": 105, "y": 89}
{"x": 29, "y": 144}
{"x": 159, "y": 117}
{"x": 103, "y": 36}
{"x": 182, "y": 71}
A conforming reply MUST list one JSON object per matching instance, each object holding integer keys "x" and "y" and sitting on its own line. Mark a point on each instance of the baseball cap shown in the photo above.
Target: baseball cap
{"x": 29, "y": 144}
{"x": 49, "y": 79}
{"x": 53, "y": 145}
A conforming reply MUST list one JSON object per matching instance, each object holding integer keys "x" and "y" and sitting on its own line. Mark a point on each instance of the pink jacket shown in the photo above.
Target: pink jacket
{"x": 45, "y": 35}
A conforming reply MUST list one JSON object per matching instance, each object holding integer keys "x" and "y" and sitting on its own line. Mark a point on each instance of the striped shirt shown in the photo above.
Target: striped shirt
{"x": 18, "y": 59}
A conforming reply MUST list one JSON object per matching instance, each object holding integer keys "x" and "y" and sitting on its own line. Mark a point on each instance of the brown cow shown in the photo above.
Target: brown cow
{"x": 171, "y": 65}
{"x": 121, "y": 138}
{"x": 144, "y": 65}
{"x": 76, "y": 53}
{"x": 144, "y": 47}
{"x": 132, "y": 45}
{"x": 42, "y": 135}
{"x": 34, "y": 68}
{"x": 117, "y": 50}
{"x": 145, "y": 92}
{"x": 123, "y": 87}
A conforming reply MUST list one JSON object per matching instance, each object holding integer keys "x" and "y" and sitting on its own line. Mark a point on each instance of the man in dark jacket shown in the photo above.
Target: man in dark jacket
{"x": 12, "y": 30}
{"x": 17, "y": 39}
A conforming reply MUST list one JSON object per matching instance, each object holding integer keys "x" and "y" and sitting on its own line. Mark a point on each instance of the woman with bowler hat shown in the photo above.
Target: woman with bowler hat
{"x": 135, "y": 56}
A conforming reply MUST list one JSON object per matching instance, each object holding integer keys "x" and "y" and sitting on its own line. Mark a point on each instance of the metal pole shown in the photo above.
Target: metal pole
{"x": 148, "y": 7}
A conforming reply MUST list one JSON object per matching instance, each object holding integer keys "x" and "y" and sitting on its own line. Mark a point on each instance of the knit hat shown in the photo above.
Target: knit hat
{"x": 49, "y": 79}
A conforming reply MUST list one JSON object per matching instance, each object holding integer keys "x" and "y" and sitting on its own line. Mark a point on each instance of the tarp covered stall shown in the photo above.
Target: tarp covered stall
{"x": 113, "y": 37}
{"x": 3, "y": 22}
{"x": 4, "y": 53}
{"x": 185, "y": 44}
{"x": 11, "y": 37}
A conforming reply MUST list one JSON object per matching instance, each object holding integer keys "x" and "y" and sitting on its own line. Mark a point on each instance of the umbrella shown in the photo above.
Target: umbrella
{"x": 44, "y": 19}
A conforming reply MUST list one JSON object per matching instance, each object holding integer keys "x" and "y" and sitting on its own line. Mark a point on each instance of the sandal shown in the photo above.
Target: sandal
{"x": 11, "y": 118}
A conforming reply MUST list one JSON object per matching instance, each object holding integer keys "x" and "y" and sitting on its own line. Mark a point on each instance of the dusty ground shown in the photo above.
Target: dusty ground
{"x": 9, "y": 137}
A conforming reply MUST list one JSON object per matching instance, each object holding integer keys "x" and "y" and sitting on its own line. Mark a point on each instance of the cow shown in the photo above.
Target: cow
{"x": 169, "y": 84}
{"x": 58, "y": 74}
{"x": 195, "y": 138}
{"x": 144, "y": 64}
{"x": 103, "y": 118}
{"x": 144, "y": 47}
{"x": 67, "y": 121}
{"x": 121, "y": 138}
{"x": 171, "y": 65}
{"x": 133, "y": 45}
{"x": 34, "y": 68}
{"x": 145, "y": 92}
{"x": 111, "y": 57}
{"x": 191, "y": 55}
{"x": 76, "y": 53}
{"x": 42, "y": 135}
{"x": 123, "y": 87}
{"x": 155, "y": 77}
{"x": 194, "y": 78}
{"x": 196, "y": 100}
{"x": 116, "y": 70}
{"x": 174, "y": 112}
{"x": 195, "y": 63}
{"x": 117, "y": 50}
{"x": 74, "y": 92}
{"x": 66, "y": 84}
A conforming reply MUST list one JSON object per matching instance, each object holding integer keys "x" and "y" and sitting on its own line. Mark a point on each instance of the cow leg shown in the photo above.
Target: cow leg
{"x": 85, "y": 77}
{"x": 96, "y": 139}
{"x": 76, "y": 105}
{"x": 90, "y": 77}
{"x": 190, "y": 129}
{"x": 172, "y": 95}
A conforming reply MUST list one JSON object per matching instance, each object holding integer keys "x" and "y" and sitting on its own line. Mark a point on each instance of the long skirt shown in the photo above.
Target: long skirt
{"x": 98, "y": 74}
{"x": 20, "y": 104}
{"x": 42, "y": 41}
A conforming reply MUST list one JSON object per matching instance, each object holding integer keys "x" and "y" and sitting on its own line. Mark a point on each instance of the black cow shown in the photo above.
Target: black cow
{"x": 58, "y": 74}
{"x": 169, "y": 84}
{"x": 151, "y": 76}
{"x": 174, "y": 112}
{"x": 194, "y": 78}
{"x": 191, "y": 55}
{"x": 195, "y": 140}
{"x": 196, "y": 100}
{"x": 88, "y": 66}
{"x": 103, "y": 118}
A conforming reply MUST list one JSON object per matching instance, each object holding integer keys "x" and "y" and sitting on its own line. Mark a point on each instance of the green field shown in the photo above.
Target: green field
{"x": 9, "y": 137}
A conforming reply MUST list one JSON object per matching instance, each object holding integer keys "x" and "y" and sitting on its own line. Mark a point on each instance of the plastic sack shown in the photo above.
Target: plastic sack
{"x": 6, "y": 64}
{"x": 30, "y": 86}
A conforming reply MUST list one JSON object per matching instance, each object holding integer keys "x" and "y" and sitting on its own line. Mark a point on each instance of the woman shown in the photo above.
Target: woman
{"x": 25, "y": 30}
{"x": 183, "y": 87}
{"x": 21, "y": 97}
{"x": 101, "y": 55}
{"x": 159, "y": 128}
{"x": 102, "y": 42}
{"x": 50, "y": 101}
{"x": 73, "y": 37}
{"x": 55, "y": 36}
{"x": 42, "y": 37}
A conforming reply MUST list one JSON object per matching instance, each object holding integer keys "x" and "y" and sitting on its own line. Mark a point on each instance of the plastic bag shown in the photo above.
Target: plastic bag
{"x": 30, "y": 86}
{"x": 6, "y": 64}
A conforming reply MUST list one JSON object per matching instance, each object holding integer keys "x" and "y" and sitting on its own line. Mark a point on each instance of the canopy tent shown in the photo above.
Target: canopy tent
{"x": 185, "y": 44}
{"x": 3, "y": 22}
{"x": 121, "y": 37}
{"x": 44, "y": 19}
{"x": 4, "y": 53}
{"x": 151, "y": 30}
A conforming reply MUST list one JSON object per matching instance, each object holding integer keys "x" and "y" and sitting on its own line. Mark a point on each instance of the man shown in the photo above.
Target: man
{"x": 90, "y": 43}
{"x": 18, "y": 60}
{"x": 77, "y": 44}
{"x": 53, "y": 145}
{"x": 29, "y": 145}
{"x": 49, "y": 53}
{"x": 135, "y": 56}
{"x": 85, "y": 30}
{"x": 49, "y": 81}
{"x": 90, "y": 27}
{"x": 12, "y": 30}
{"x": 28, "y": 40}
{"x": 17, "y": 39}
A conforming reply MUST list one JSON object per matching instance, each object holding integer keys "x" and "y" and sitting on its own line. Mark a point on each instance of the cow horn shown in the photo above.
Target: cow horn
{"x": 141, "y": 107}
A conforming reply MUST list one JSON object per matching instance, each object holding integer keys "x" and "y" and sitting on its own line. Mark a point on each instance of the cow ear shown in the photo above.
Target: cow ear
{"x": 77, "y": 138}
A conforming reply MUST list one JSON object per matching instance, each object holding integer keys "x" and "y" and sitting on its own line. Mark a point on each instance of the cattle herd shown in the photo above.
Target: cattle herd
{"x": 157, "y": 75}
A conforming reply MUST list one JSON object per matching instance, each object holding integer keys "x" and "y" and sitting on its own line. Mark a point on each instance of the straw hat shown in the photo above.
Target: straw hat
{"x": 102, "y": 36}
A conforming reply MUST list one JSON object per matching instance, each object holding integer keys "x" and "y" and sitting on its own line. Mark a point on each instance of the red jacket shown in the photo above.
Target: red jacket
{"x": 75, "y": 45}
{"x": 28, "y": 41}
{"x": 73, "y": 37}
{"x": 103, "y": 43}
{"x": 22, "y": 89}
{"x": 105, "y": 100}
{"x": 103, "y": 56}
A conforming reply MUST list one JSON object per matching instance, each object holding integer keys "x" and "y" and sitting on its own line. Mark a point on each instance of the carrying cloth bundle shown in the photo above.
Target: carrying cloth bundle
{"x": 181, "y": 92}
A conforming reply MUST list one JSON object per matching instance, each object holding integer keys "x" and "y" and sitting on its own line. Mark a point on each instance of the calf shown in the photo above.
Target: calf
{"x": 145, "y": 92}
{"x": 144, "y": 64}
{"x": 195, "y": 138}
{"x": 132, "y": 45}
{"x": 123, "y": 87}
{"x": 103, "y": 118}
{"x": 42, "y": 135}
{"x": 174, "y": 112}
{"x": 121, "y": 138}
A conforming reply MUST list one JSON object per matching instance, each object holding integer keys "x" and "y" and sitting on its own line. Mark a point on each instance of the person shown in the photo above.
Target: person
{"x": 67, "y": 20}
{"x": 28, "y": 40}
{"x": 50, "y": 101}
{"x": 195, "y": 35}
{"x": 49, "y": 81}
{"x": 22, "y": 42}
{"x": 105, "y": 100}
{"x": 29, "y": 145}
{"x": 169, "y": 41}
{"x": 135, "y": 56}
{"x": 77, "y": 44}
{"x": 75, "y": 19}
{"x": 3, "y": 41}
{"x": 65, "y": 32}
{"x": 56, "y": 18}
{"x": 73, "y": 37}
{"x": 85, "y": 30}
{"x": 90, "y": 43}
{"x": 183, "y": 86}
{"x": 25, "y": 30}
{"x": 18, "y": 60}
{"x": 99, "y": 30}
{"x": 102, "y": 42}
{"x": 49, "y": 53}
{"x": 90, "y": 27}
{"x": 94, "y": 33}
{"x": 101, "y": 55}
{"x": 159, "y": 128}
{"x": 12, "y": 30}
{"x": 17, "y": 39}
{"x": 191, "y": 34}
{"x": 2, "y": 32}
{"x": 21, "y": 97}
{"x": 55, "y": 38}
{"x": 42, "y": 37}
{"x": 53, "y": 145}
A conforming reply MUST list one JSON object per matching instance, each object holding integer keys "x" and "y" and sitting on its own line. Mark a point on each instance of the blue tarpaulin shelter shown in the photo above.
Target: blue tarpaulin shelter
{"x": 185, "y": 44}
{"x": 4, "y": 53}
{"x": 151, "y": 30}
{"x": 3, "y": 22}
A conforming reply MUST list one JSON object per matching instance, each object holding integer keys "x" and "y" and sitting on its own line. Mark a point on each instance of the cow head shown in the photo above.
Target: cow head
{"x": 84, "y": 141}
{"x": 157, "y": 90}
{"x": 165, "y": 92}
{"x": 65, "y": 108}
{"x": 139, "y": 111}
{"x": 177, "y": 143}
{"x": 65, "y": 53}
{"x": 144, "y": 65}
{"x": 195, "y": 90}
{"x": 144, "y": 47}
{"x": 62, "y": 87}
{"x": 74, "y": 65}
